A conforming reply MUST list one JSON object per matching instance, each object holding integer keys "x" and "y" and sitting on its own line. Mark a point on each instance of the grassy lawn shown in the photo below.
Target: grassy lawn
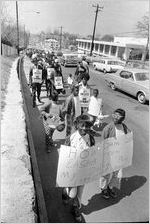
{"x": 6, "y": 63}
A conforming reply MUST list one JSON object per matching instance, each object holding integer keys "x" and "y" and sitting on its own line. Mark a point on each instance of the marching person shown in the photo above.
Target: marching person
{"x": 35, "y": 80}
{"x": 52, "y": 119}
{"x": 72, "y": 108}
{"x": 80, "y": 72}
{"x": 81, "y": 139}
{"x": 50, "y": 80}
{"x": 84, "y": 94}
{"x": 115, "y": 129}
{"x": 95, "y": 106}
{"x": 85, "y": 64}
{"x": 70, "y": 80}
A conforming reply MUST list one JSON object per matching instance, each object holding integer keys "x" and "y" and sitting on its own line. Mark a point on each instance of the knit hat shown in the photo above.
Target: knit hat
{"x": 83, "y": 119}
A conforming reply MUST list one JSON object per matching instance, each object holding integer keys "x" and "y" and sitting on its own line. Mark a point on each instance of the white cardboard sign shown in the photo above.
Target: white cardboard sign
{"x": 84, "y": 96}
{"x": 58, "y": 82}
{"x": 77, "y": 167}
{"x": 37, "y": 75}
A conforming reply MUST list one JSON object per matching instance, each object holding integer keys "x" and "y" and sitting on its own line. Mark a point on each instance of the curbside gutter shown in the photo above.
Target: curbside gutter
{"x": 42, "y": 212}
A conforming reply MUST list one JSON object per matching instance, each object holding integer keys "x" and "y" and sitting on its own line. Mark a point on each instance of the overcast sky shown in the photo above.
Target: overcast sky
{"x": 77, "y": 16}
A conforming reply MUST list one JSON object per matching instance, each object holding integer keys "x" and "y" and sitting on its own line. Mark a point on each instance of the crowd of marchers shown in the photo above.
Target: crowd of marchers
{"x": 78, "y": 114}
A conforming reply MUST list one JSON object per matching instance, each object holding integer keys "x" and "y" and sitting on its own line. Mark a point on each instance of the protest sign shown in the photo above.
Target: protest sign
{"x": 77, "y": 166}
{"x": 37, "y": 75}
{"x": 50, "y": 73}
{"x": 58, "y": 82}
{"x": 117, "y": 153}
{"x": 84, "y": 96}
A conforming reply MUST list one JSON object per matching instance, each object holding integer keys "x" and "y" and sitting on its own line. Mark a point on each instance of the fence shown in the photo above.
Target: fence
{"x": 7, "y": 50}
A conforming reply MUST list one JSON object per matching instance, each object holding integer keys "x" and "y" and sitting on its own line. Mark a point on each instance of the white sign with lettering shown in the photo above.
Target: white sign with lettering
{"x": 37, "y": 75}
{"x": 84, "y": 96}
{"x": 77, "y": 167}
{"x": 50, "y": 73}
{"x": 58, "y": 82}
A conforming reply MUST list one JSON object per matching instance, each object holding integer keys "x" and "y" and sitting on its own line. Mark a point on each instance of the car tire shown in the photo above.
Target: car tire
{"x": 104, "y": 70}
{"x": 112, "y": 86}
{"x": 95, "y": 67}
{"x": 141, "y": 98}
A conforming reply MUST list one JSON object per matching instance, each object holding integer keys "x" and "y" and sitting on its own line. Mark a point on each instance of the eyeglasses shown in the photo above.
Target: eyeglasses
{"x": 116, "y": 115}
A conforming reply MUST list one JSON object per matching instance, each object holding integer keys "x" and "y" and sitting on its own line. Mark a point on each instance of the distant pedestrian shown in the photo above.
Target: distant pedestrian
{"x": 80, "y": 72}
{"x": 115, "y": 129}
{"x": 81, "y": 139}
{"x": 70, "y": 80}
{"x": 51, "y": 114}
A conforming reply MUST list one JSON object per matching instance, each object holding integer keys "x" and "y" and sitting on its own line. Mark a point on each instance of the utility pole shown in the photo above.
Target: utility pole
{"x": 98, "y": 8}
{"x": 60, "y": 36}
{"x": 17, "y": 27}
{"x": 24, "y": 37}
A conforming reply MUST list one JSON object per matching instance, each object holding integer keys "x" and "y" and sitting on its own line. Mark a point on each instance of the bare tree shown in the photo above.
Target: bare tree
{"x": 143, "y": 28}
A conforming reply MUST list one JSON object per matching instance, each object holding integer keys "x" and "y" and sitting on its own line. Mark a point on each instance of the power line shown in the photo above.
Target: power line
{"x": 98, "y": 8}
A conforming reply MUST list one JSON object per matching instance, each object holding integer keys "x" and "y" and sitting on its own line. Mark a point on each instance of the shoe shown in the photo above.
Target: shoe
{"x": 65, "y": 198}
{"x": 112, "y": 193}
{"x": 77, "y": 215}
{"x": 105, "y": 194}
{"x": 39, "y": 100}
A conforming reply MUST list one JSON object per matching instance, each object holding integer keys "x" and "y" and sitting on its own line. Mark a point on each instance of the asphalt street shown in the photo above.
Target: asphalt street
{"x": 132, "y": 204}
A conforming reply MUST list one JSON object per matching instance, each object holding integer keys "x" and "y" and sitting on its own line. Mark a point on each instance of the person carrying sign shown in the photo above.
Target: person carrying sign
{"x": 52, "y": 119}
{"x": 80, "y": 72}
{"x": 84, "y": 95}
{"x": 115, "y": 129}
{"x": 35, "y": 79}
{"x": 81, "y": 139}
{"x": 72, "y": 109}
{"x": 50, "y": 80}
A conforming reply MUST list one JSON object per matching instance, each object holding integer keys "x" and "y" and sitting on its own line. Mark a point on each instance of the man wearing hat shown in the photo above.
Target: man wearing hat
{"x": 114, "y": 129}
{"x": 35, "y": 79}
{"x": 81, "y": 139}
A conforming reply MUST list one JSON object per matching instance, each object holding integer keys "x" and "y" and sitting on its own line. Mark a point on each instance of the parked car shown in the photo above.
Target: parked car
{"x": 108, "y": 65}
{"x": 130, "y": 80}
{"x": 69, "y": 59}
{"x": 89, "y": 59}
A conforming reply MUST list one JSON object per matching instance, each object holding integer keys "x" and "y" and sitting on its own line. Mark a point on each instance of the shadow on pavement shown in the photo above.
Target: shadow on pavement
{"x": 128, "y": 185}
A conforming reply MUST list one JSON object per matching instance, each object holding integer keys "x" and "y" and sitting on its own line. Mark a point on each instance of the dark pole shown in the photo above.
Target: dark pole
{"x": 17, "y": 28}
{"x": 92, "y": 44}
{"x": 24, "y": 38}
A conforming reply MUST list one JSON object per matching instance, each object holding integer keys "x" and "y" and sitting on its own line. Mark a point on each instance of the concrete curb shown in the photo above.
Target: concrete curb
{"x": 42, "y": 212}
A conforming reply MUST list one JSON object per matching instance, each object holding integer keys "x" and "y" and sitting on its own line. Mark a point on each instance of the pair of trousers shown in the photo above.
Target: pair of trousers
{"x": 111, "y": 180}
{"x": 75, "y": 192}
{"x": 36, "y": 88}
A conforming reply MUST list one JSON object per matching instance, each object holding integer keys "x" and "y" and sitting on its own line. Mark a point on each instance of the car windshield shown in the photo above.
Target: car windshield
{"x": 71, "y": 56}
{"x": 142, "y": 76}
{"x": 115, "y": 63}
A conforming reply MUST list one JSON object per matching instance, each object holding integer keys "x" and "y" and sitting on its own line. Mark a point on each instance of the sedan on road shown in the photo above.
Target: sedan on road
{"x": 132, "y": 81}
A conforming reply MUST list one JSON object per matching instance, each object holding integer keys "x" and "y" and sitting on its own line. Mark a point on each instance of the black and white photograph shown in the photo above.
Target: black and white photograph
{"x": 75, "y": 111}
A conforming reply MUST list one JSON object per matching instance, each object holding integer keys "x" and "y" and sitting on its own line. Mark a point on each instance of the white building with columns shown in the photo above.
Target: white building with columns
{"x": 120, "y": 48}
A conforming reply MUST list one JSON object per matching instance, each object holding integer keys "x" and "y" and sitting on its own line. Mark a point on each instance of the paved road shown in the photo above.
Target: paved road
{"x": 132, "y": 204}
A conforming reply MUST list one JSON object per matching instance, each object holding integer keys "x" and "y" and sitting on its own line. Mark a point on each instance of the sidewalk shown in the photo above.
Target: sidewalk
{"x": 17, "y": 188}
